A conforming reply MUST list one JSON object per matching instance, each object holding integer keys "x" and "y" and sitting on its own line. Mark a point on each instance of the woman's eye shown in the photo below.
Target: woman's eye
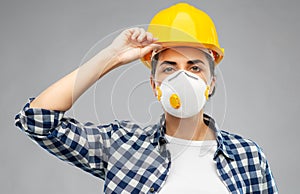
{"x": 196, "y": 68}
{"x": 168, "y": 69}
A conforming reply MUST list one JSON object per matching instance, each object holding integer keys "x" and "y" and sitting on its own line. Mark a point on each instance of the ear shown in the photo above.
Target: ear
{"x": 153, "y": 86}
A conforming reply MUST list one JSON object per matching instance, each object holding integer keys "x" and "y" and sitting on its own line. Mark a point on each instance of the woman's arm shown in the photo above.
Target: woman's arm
{"x": 130, "y": 45}
{"x": 84, "y": 145}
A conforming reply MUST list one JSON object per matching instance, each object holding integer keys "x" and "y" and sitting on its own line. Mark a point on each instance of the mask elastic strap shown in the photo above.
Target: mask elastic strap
{"x": 206, "y": 93}
{"x": 208, "y": 88}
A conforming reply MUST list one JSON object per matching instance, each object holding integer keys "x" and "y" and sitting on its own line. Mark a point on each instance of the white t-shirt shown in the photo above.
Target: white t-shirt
{"x": 193, "y": 169}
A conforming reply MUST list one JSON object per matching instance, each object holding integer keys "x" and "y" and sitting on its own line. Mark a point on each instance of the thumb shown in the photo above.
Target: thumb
{"x": 149, "y": 48}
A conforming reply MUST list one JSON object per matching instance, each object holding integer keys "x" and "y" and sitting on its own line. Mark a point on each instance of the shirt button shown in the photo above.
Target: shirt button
{"x": 152, "y": 189}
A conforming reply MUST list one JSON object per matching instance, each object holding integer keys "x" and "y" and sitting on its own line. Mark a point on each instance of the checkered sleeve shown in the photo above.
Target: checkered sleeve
{"x": 268, "y": 182}
{"x": 84, "y": 145}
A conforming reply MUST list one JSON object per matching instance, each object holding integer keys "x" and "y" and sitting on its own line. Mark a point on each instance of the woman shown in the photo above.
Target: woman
{"x": 161, "y": 158}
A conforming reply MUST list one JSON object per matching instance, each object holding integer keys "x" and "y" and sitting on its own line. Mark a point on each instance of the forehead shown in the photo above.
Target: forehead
{"x": 182, "y": 53}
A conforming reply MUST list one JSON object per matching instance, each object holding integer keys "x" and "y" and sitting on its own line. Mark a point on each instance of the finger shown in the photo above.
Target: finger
{"x": 150, "y": 37}
{"x": 142, "y": 36}
{"x": 150, "y": 48}
{"x": 146, "y": 42}
{"x": 135, "y": 33}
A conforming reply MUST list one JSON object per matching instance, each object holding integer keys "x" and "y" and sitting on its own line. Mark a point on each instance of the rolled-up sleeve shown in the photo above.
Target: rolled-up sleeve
{"x": 36, "y": 121}
{"x": 84, "y": 145}
{"x": 268, "y": 182}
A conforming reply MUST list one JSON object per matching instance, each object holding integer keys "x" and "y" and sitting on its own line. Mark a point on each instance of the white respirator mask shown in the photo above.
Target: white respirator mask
{"x": 183, "y": 94}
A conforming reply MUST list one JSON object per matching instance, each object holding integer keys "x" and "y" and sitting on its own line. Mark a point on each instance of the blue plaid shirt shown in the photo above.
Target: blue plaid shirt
{"x": 131, "y": 159}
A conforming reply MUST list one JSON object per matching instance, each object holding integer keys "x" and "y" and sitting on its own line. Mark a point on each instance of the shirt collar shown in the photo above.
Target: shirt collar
{"x": 159, "y": 136}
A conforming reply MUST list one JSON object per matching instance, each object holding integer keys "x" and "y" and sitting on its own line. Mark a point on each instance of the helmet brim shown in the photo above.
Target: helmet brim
{"x": 217, "y": 52}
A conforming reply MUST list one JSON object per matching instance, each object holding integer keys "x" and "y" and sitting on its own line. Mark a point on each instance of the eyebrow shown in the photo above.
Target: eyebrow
{"x": 168, "y": 63}
{"x": 190, "y": 62}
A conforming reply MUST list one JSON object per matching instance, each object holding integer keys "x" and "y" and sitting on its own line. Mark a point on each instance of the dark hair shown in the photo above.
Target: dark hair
{"x": 210, "y": 60}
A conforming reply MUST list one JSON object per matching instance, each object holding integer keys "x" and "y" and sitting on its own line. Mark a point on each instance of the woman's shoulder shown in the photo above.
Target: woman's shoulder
{"x": 238, "y": 144}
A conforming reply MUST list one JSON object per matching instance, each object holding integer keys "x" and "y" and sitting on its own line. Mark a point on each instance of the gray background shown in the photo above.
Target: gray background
{"x": 257, "y": 92}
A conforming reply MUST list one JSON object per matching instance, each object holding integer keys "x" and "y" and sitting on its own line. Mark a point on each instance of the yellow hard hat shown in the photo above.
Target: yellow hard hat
{"x": 184, "y": 25}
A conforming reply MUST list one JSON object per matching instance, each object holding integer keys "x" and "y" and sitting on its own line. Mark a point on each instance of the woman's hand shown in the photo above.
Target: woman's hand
{"x": 133, "y": 44}
{"x": 130, "y": 45}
